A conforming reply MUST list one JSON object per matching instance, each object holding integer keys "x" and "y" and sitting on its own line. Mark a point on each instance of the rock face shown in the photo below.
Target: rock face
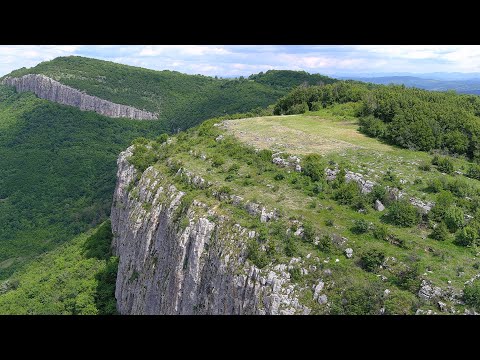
{"x": 187, "y": 259}
{"x": 52, "y": 90}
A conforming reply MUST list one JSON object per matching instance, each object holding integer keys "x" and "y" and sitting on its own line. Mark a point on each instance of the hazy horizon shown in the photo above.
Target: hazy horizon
{"x": 437, "y": 62}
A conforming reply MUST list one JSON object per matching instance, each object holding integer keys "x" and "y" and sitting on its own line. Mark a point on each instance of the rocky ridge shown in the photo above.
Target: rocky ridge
{"x": 179, "y": 259}
{"x": 49, "y": 89}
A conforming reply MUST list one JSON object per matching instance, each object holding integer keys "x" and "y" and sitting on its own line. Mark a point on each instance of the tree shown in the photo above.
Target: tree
{"x": 372, "y": 259}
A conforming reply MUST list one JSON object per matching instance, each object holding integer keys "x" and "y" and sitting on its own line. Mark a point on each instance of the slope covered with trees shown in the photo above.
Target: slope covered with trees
{"x": 411, "y": 118}
{"x": 181, "y": 100}
{"x": 57, "y": 172}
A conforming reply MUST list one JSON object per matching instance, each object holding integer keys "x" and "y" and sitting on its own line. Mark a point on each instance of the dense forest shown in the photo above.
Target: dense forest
{"x": 411, "y": 118}
{"x": 57, "y": 172}
{"x": 181, "y": 100}
{"x": 77, "y": 278}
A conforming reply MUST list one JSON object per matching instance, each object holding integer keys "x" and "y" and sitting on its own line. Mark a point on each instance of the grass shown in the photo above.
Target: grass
{"x": 437, "y": 261}
{"x": 303, "y": 134}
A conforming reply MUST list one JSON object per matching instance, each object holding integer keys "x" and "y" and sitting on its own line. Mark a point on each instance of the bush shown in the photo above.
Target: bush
{"x": 255, "y": 254}
{"x": 445, "y": 165}
{"x": 366, "y": 299}
{"x": 347, "y": 193}
{"x": 402, "y": 213}
{"x": 399, "y": 303}
{"x": 443, "y": 202}
{"x": 408, "y": 279}
{"x": 234, "y": 168}
{"x": 474, "y": 171}
{"x": 372, "y": 259}
{"x": 467, "y": 236}
{"x": 440, "y": 232}
{"x": 308, "y": 232}
{"x": 436, "y": 185}
{"x": 298, "y": 109}
{"x": 471, "y": 295}
{"x": 291, "y": 248}
{"x": 360, "y": 226}
{"x": 372, "y": 126}
{"x": 313, "y": 166}
{"x": 325, "y": 244}
{"x": 329, "y": 222}
{"x": 161, "y": 138}
{"x": 142, "y": 157}
{"x": 279, "y": 176}
{"x": 425, "y": 166}
{"x": 381, "y": 232}
{"x": 217, "y": 161}
{"x": 454, "y": 218}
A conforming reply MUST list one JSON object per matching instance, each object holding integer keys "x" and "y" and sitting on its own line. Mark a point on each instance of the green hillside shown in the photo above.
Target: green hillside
{"x": 57, "y": 172}
{"x": 58, "y": 164}
{"x": 395, "y": 249}
{"x": 181, "y": 100}
{"x": 77, "y": 278}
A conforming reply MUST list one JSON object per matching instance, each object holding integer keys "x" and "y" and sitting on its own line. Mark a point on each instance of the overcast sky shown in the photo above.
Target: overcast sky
{"x": 225, "y": 60}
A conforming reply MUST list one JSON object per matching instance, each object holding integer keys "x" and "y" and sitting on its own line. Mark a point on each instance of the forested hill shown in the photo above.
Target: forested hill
{"x": 181, "y": 100}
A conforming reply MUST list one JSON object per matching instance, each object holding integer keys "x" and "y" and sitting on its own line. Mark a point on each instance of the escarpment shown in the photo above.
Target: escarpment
{"x": 49, "y": 89}
{"x": 184, "y": 257}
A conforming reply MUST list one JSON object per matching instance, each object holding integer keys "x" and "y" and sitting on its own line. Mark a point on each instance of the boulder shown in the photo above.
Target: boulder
{"x": 379, "y": 206}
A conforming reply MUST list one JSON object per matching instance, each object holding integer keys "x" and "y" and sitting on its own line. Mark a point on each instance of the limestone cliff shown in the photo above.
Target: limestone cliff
{"x": 52, "y": 90}
{"x": 186, "y": 258}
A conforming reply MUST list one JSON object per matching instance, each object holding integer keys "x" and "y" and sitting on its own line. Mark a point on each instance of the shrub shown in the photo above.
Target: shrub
{"x": 291, "y": 248}
{"x": 313, "y": 166}
{"x": 425, "y": 166}
{"x": 402, "y": 213}
{"x": 372, "y": 126}
{"x": 445, "y": 165}
{"x": 366, "y": 299}
{"x": 325, "y": 244}
{"x": 440, "y": 232}
{"x": 381, "y": 232}
{"x": 142, "y": 157}
{"x": 408, "y": 279}
{"x": 308, "y": 232}
{"x": 436, "y": 185}
{"x": 454, "y": 218}
{"x": 460, "y": 188}
{"x": 443, "y": 202}
{"x": 347, "y": 193}
{"x": 360, "y": 226}
{"x": 295, "y": 274}
{"x": 399, "y": 303}
{"x": 161, "y": 138}
{"x": 279, "y": 176}
{"x": 378, "y": 193}
{"x": 329, "y": 222}
{"x": 471, "y": 295}
{"x": 372, "y": 259}
{"x": 265, "y": 155}
{"x": 217, "y": 161}
{"x": 256, "y": 254}
{"x": 474, "y": 171}
{"x": 234, "y": 167}
{"x": 467, "y": 236}
{"x": 298, "y": 109}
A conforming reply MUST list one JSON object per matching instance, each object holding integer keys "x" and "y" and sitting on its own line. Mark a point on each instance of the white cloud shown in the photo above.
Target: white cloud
{"x": 236, "y": 60}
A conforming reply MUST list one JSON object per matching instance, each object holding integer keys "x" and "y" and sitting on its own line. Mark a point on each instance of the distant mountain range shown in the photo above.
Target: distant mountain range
{"x": 464, "y": 86}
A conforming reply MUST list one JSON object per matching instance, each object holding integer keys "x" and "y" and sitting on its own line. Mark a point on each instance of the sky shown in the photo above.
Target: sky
{"x": 243, "y": 60}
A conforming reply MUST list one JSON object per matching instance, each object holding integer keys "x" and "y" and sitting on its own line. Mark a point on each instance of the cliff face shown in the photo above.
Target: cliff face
{"x": 52, "y": 90}
{"x": 186, "y": 259}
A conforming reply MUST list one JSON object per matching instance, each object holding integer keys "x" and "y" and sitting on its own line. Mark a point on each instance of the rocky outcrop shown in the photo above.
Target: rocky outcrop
{"x": 52, "y": 90}
{"x": 177, "y": 257}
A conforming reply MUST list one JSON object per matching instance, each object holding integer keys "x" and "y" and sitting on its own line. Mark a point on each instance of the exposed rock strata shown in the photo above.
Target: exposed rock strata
{"x": 177, "y": 259}
{"x": 49, "y": 89}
